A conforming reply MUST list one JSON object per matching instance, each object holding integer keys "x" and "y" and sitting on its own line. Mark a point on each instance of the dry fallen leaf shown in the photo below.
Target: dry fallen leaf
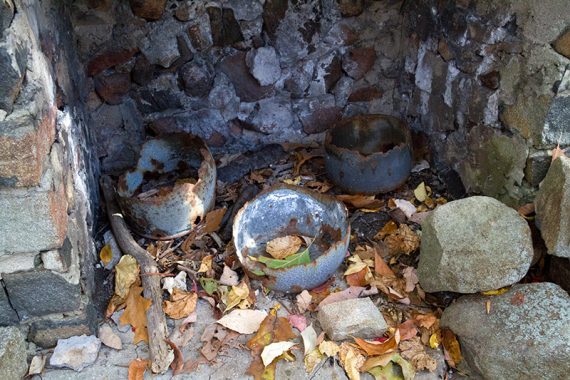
{"x": 351, "y": 360}
{"x": 179, "y": 281}
{"x": 406, "y": 207}
{"x": 178, "y": 361}
{"x": 381, "y": 268}
{"x": 229, "y": 277}
{"x": 312, "y": 359}
{"x": 379, "y": 348}
{"x": 411, "y": 277}
{"x": 362, "y": 278}
{"x": 274, "y": 350}
{"x": 408, "y": 330}
{"x": 380, "y": 367}
{"x": 309, "y": 336}
{"x": 304, "y": 301}
{"x": 106, "y": 254}
{"x": 414, "y": 351}
{"x": 329, "y": 348}
{"x": 135, "y": 314}
{"x": 348, "y": 293}
{"x": 420, "y": 192}
{"x": 243, "y": 321}
{"x": 181, "y": 304}
{"x": 297, "y": 321}
{"x": 137, "y": 368}
{"x": 452, "y": 347}
{"x": 206, "y": 264}
{"x": 213, "y": 220}
{"x": 400, "y": 239}
{"x": 557, "y": 152}
{"x": 238, "y": 296}
{"x": 284, "y": 246}
{"x": 126, "y": 273}
{"x": 361, "y": 201}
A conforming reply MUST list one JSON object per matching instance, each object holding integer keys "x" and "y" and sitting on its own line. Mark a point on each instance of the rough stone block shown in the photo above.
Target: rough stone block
{"x": 557, "y": 124}
{"x": 46, "y": 333}
{"x": 33, "y": 220}
{"x": 17, "y": 262}
{"x": 559, "y": 272}
{"x": 25, "y": 141}
{"x": 8, "y": 315}
{"x": 40, "y": 292}
{"x": 6, "y": 14}
{"x": 552, "y": 205}
{"x": 562, "y": 43}
{"x": 148, "y": 9}
{"x": 13, "y": 61}
{"x": 356, "y": 317}
{"x": 537, "y": 166}
{"x": 13, "y": 364}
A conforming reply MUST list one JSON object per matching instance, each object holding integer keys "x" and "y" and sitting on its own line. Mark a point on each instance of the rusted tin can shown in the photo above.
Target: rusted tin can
{"x": 368, "y": 154}
{"x": 172, "y": 186}
{"x": 290, "y": 210}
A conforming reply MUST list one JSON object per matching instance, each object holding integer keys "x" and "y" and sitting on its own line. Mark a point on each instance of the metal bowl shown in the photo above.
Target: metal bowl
{"x": 172, "y": 206}
{"x": 368, "y": 154}
{"x": 291, "y": 210}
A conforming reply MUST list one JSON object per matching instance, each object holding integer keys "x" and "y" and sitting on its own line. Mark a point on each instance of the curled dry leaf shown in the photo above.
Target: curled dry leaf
{"x": 206, "y": 264}
{"x": 380, "y": 366}
{"x": 401, "y": 240}
{"x": 285, "y": 246}
{"x": 414, "y": 351}
{"x": 178, "y": 361}
{"x": 361, "y": 201}
{"x": 106, "y": 254}
{"x": 238, "y": 296}
{"x": 362, "y": 278}
{"x": 380, "y": 266}
{"x": 126, "y": 273}
{"x": 348, "y": 293}
{"x": 329, "y": 348}
{"x": 304, "y": 301}
{"x": 135, "y": 314}
{"x": 411, "y": 277}
{"x": 408, "y": 330}
{"x": 274, "y": 350}
{"x": 309, "y": 336}
{"x": 312, "y": 359}
{"x": 452, "y": 347}
{"x": 243, "y": 321}
{"x": 379, "y": 348}
{"x": 406, "y": 207}
{"x": 181, "y": 304}
{"x": 420, "y": 192}
{"x": 351, "y": 360}
{"x": 137, "y": 368}
{"x": 175, "y": 282}
{"x": 213, "y": 220}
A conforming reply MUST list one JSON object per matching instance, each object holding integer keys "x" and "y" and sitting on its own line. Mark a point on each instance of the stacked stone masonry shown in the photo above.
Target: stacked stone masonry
{"x": 45, "y": 175}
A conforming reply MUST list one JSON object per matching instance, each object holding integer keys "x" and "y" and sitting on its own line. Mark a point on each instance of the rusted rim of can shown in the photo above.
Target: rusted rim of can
{"x": 347, "y": 123}
{"x": 323, "y": 198}
{"x": 207, "y": 164}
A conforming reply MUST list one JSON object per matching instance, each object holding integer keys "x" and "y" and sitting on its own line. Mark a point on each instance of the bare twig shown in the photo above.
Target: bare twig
{"x": 161, "y": 354}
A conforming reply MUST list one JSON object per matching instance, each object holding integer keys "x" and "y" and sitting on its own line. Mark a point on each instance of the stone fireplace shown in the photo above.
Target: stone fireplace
{"x": 483, "y": 85}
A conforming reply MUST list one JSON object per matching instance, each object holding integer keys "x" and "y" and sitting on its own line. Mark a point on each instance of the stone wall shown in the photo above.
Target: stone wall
{"x": 46, "y": 174}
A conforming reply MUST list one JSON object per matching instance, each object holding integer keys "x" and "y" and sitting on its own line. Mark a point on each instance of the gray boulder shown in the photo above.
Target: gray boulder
{"x": 553, "y": 208}
{"x": 473, "y": 244}
{"x": 526, "y": 334}
{"x": 13, "y": 363}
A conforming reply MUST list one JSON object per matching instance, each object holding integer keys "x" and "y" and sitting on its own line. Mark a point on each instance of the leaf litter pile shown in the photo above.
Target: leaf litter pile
{"x": 201, "y": 270}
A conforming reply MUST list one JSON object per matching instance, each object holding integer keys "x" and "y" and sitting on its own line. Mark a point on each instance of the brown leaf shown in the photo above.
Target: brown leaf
{"x": 557, "y": 152}
{"x": 178, "y": 362}
{"x": 135, "y": 314}
{"x": 360, "y": 278}
{"x": 389, "y": 228}
{"x": 213, "y": 220}
{"x": 348, "y": 293}
{"x": 126, "y": 274}
{"x": 380, "y": 266}
{"x": 526, "y": 209}
{"x": 137, "y": 368}
{"x": 414, "y": 351}
{"x": 361, "y": 201}
{"x": 402, "y": 240}
{"x": 451, "y": 345}
{"x": 301, "y": 158}
{"x": 351, "y": 360}
{"x": 239, "y": 296}
{"x": 425, "y": 320}
{"x": 181, "y": 304}
{"x": 377, "y": 348}
{"x": 284, "y": 246}
{"x": 408, "y": 330}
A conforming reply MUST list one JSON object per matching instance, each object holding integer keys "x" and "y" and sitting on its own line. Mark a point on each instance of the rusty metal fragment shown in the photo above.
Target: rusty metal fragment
{"x": 290, "y": 210}
{"x": 172, "y": 186}
{"x": 368, "y": 154}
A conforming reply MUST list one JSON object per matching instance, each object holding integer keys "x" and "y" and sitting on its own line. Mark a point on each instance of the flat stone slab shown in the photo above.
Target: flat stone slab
{"x": 352, "y": 318}
{"x": 76, "y": 352}
{"x": 13, "y": 363}
{"x": 526, "y": 334}
{"x": 473, "y": 244}
{"x": 552, "y": 204}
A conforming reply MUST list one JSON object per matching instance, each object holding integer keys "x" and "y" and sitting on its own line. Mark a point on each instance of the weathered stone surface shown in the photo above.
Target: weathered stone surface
{"x": 272, "y": 115}
{"x": 111, "y": 88}
{"x": 40, "y": 292}
{"x": 143, "y": 72}
{"x": 536, "y": 167}
{"x": 13, "y": 364}
{"x": 263, "y": 64}
{"x": 473, "y": 244}
{"x": 13, "y": 62}
{"x": 200, "y": 36}
{"x": 327, "y": 73}
{"x": 562, "y": 43}
{"x": 246, "y": 86}
{"x": 148, "y": 9}
{"x": 109, "y": 59}
{"x": 318, "y": 114}
{"x": 6, "y": 14}
{"x": 358, "y": 61}
{"x": 299, "y": 78}
{"x": 33, "y": 220}
{"x": 17, "y": 262}
{"x": 224, "y": 26}
{"x": 491, "y": 80}
{"x": 8, "y": 315}
{"x": 46, "y": 333}
{"x": 197, "y": 78}
{"x": 352, "y": 318}
{"x": 527, "y": 115}
{"x": 273, "y": 12}
{"x": 76, "y": 352}
{"x": 526, "y": 334}
{"x": 365, "y": 94}
{"x": 350, "y": 8}
{"x": 557, "y": 124}
{"x": 160, "y": 47}
{"x": 559, "y": 272}
{"x": 552, "y": 205}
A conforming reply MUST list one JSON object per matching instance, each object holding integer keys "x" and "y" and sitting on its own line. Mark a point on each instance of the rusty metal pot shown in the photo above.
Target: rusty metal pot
{"x": 172, "y": 186}
{"x": 291, "y": 210}
{"x": 368, "y": 154}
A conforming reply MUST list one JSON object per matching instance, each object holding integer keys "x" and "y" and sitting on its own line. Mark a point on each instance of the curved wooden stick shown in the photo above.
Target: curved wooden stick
{"x": 161, "y": 354}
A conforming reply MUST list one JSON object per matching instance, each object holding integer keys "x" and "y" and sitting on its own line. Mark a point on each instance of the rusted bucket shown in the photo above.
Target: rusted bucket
{"x": 368, "y": 154}
{"x": 291, "y": 210}
{"x": 172, "y": 186}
